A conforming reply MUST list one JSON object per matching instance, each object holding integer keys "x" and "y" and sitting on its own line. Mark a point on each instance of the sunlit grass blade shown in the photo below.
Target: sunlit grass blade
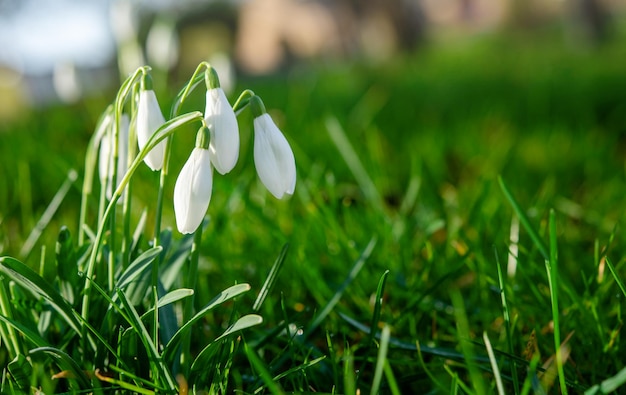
{"x": 523, "y": 218}
{"x": 32, "y": 282}
{"x": 66, "y": 363}
{"x": 467, "y": 348}
{"x": 299, "y": 368}
{"x": 377, "y": 306}
{"x": 339, "y": 138}
{"x": 618, "y": 280}
{"x": 438, "y": 351}
{"x": 47, "y": 215}
{"x": 494, "y": 364}
{"x": 553, "y": 273}
{"x": 507, "y": 322}
{"x": 349, "y": 374}
{"x": 222, "y": 297}
{"x": 123, "y": 384}
{"x": 354, "y": 271}
{"x": 380, "y": 360}
{"x": 271, "y": 278}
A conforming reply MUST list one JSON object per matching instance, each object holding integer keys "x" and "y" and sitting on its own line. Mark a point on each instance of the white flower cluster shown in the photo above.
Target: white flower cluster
{"x": 217, "y": 146}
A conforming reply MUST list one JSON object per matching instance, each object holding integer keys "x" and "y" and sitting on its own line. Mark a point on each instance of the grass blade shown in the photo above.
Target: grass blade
{"x": 609, "y": 385}
{"x": 552, "y": 281}
{"x": 507, "y": 322}
{"x": 356, "y": 268}
{"x": 494, "y": 364}
{"x": 222, "y": 297}
{"x": 271, "y": 279}
{"x": 158, "y": 368}
{"x": 523, "y": 218}
{"x": 138, "y": 266}
{"x": 66, "y": 363}
{"x": 380, "y": 361}
{"x": 47, "y": 215}
{"x": 618, "y": 280}
{"x": 339, "y": 138}
{"x": 262, "y": 371}
{"x": 31, "y": 281}
{"x": 377, "y": 306}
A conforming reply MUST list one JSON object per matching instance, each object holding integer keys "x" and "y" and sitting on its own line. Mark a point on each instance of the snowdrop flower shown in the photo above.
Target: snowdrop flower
{"x": 149, "y": 119}
{"x": 192, "y": 191}
{"x": 273, "y": 157}
{"x": 105, "y": 167}
{"x": 222, "y": 122}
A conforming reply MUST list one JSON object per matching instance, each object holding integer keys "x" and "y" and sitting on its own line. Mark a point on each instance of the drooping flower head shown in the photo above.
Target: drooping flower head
{"x": 192, "y": 191}
{"x": 149, "y": 119}
{"x": 222, "y": 122}
{"x": 273, "y": 157}
{"x": 106, "y": 154}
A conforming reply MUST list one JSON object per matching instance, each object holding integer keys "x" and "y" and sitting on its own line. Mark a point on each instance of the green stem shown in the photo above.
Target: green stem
{"x": 90, "y": 167}
{"x": 185, "y": 357}
{"x": 163, "y": 132}
{"x": 243, "y": 100}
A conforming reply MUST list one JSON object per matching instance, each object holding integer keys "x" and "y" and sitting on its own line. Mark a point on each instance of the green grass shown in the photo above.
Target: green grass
{"x": 398, "y": 237}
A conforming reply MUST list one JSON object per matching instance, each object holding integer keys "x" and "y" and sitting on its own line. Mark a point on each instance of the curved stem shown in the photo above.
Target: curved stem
{"x": 163, "y": 132}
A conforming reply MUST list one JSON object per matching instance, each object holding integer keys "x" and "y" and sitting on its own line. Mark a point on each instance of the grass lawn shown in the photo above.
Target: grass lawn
{"x": 456, "y": 228}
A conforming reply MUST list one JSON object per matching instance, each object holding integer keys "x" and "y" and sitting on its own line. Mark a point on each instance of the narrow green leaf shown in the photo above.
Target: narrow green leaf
{"x": 377, "y": 306}
{"x": 174, "y": 296}
{"x": 507, "y": 322}
{"x": 244, "y": 322}
{"x": 29, "y": 334}
{"x": 299, "y": 368}
{"x": 356, "y": 268}
{"x": 31, "y": 281}
{"x": 203, "y": 357}
{"x": 222, "y": 297}
{"x": 618, "y": 280}
{"x": 138, "y": 266}
{"x": 21, "y": 371}
{"x": 156, "y": 364}
{"x": 380, "y": 360}
{"x": 553, "y": 275}
{"x": 609, "y": 385}
{"x": 271, "y": 279}
{"x": 65, "y": 362}
{"x": 262, "y": 371}
{"x": 494, "y": 364}
{"x": 523, "y": 218}
{"x": 47, "y": 215}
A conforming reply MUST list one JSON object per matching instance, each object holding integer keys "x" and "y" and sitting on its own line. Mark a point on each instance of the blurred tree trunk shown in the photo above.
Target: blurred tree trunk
{"x": 590, "y": 20}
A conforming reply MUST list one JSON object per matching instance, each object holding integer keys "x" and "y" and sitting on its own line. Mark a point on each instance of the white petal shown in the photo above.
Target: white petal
{"x": 149, "y": 119}
{"x": 192, "y": 192}
{"x": 222, "y": 122}
{"x": 273, "y": 157}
